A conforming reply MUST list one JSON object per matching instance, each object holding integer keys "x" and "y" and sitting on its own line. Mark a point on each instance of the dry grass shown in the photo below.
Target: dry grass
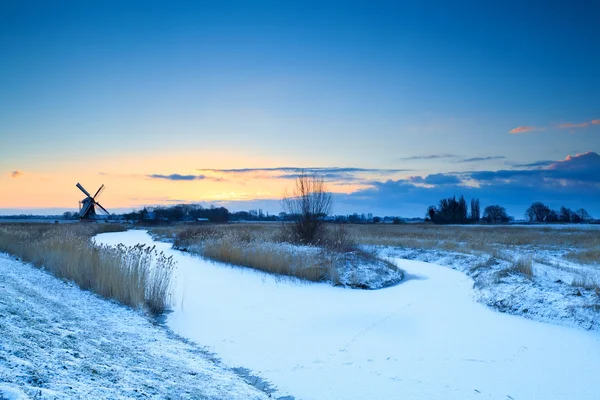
{"x": 270, "y": 248}
{"x": 586, "y": 282}
{"x": 280, "y": 260}
{"x": 135, "y": 276}
{"x": 475, "y": 238}
{"x": 524, "y": 266}
{"x": 262, "y": 247}
{"x": 585, "y": 256}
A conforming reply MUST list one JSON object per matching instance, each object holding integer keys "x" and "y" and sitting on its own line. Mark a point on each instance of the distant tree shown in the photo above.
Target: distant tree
{"x": 68, "y": 215}
{"x": 565, "y": 215}
{"x": 537, "y": 212}
{"x": 495, "y": 214}
{"x": 475, "y": 210}
{"x": 376, "y": 220}
{"x": 552, "y": 216}
{"x": 583, "y": 215}
{"x": 431, "y": 211}
{"x": 397, "y": 221}
{"x": 449, "y": 211}
{"x": 310, "y": 203}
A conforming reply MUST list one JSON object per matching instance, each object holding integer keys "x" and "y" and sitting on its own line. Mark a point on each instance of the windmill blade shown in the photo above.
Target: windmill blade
{"x": 83, "y": 190}
{"x": 99, "y": 191}
{"x": 103, "y": 209}
{"x": 85, "y": 209}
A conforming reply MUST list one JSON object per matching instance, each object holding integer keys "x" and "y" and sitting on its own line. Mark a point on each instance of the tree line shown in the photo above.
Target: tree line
{"x": 456, "y": 211}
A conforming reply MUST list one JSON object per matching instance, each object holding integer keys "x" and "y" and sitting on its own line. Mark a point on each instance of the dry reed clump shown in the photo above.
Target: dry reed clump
{"x": 255, "y": 247}
{"x": 586, "y": 282}
{"x": 271, "y": 248}
{"x": 522, "y": 266}
{"x": 585, "y": 256}
{"x": 135, "y": 276}
{"x": 468, "y": 239}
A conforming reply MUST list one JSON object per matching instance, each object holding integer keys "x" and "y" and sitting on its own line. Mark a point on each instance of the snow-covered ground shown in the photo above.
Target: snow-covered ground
{"x": 423, "y": 339}
{"x": 547, "y": 296}
{"x": 58, "y": 342}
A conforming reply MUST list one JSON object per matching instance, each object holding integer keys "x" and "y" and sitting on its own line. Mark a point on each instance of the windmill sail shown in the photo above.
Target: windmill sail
{"x": 87, "y": 208}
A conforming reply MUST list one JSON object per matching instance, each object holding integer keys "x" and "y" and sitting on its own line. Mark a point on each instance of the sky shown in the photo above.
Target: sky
{"x": 396, "y": 104}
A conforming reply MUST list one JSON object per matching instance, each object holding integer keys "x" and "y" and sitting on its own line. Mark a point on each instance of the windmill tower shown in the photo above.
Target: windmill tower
{"x": 87, "y": 206}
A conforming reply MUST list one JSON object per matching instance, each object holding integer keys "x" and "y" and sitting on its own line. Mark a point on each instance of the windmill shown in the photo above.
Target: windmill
{"x": 87, "y": 206}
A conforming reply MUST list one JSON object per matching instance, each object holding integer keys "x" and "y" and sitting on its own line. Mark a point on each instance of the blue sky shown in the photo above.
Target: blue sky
{"x": 123, "y": 92}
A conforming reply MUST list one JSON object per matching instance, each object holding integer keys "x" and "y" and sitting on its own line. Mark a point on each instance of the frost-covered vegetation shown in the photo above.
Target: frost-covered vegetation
{"x": 135, "y": 276}
{"x": 272, "y": 248}
{"x": 549, "y": 273}
{"x": 59, "y": 342}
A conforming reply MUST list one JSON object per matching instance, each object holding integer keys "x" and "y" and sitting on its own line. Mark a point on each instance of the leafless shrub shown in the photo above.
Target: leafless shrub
{"x": 309, "y": 203}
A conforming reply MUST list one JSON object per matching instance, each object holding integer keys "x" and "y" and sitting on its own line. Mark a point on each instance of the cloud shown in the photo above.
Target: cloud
{"x": 429, "y": 157}
{"x": 436, "y": 179}
{"x": 475, "y": 159}
{"x": 308, "y": 170}
{"x": 337, "y": 175}
{"x": 573, "y": 182}
{"x": 177, "y": 177}
{"x": 566, "y": 125}
{"x": 16, "y": 174}
{"x": 522, "y": 129}
{"x": 536, "y": 164}
{"x": 569, "y": 125}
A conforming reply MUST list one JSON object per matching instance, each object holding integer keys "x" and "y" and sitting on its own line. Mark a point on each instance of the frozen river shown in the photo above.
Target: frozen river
{"x": 424, "y": 339}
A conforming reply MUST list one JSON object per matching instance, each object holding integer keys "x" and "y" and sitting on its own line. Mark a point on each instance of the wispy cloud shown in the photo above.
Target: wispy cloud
{"x": 570, "y": 125}
{"x": 536, "y": 164}
{"x": 476, "y": 159}
{"x": 309, "y": 170}
{"x": 429, "y": 157}
{"x": 523, "y": 129}
{"x": 16, "y": 174}
{"x": 565, "y": 125}
{"x": 177, "y": 177}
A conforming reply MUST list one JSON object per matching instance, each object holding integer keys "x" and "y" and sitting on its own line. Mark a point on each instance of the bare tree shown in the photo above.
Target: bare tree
{"x": 537, "y": 212}
{"x": 583, "y": 215}
{"x": 309, "y": 204}
{"x": 475, "y": 210}
{"x": 495, "y": 214}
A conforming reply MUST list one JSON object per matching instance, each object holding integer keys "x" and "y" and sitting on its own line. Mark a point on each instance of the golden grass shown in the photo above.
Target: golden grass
{"x": 586, "y": 282}
{"x": 268, "y": 248}
{"x": 475, "y": 238}
{"x": 524, "y": 266}
{"x": 585, "y": 256}
{"x": 310, "y": 265}
{"x": 135, "y": 276}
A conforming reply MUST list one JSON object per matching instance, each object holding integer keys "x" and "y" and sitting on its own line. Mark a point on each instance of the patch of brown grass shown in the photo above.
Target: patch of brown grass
{"x": 585, "y": 256}
{"x": 135, "y": 276}
{"x": 270, "y": 248}
{"x": 586, "y": 282}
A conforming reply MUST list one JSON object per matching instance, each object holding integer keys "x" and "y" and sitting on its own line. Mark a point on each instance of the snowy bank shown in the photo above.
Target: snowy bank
{"x": 425, "y": 339}
{"x": 58, "y": 342}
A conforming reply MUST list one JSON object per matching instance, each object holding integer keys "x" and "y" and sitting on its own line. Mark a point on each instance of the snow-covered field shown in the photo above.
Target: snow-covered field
{"x": 58, "y": 342}
{"x": 425, "y": 338}
{"x": 547, "y": 296}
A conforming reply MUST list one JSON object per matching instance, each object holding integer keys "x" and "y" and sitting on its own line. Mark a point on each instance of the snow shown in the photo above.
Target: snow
{"x": 59, "y": 342}
{"x": 548, "y": 296}
{"x": 10, "y": 392}
{"x": 425, "y": 338}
